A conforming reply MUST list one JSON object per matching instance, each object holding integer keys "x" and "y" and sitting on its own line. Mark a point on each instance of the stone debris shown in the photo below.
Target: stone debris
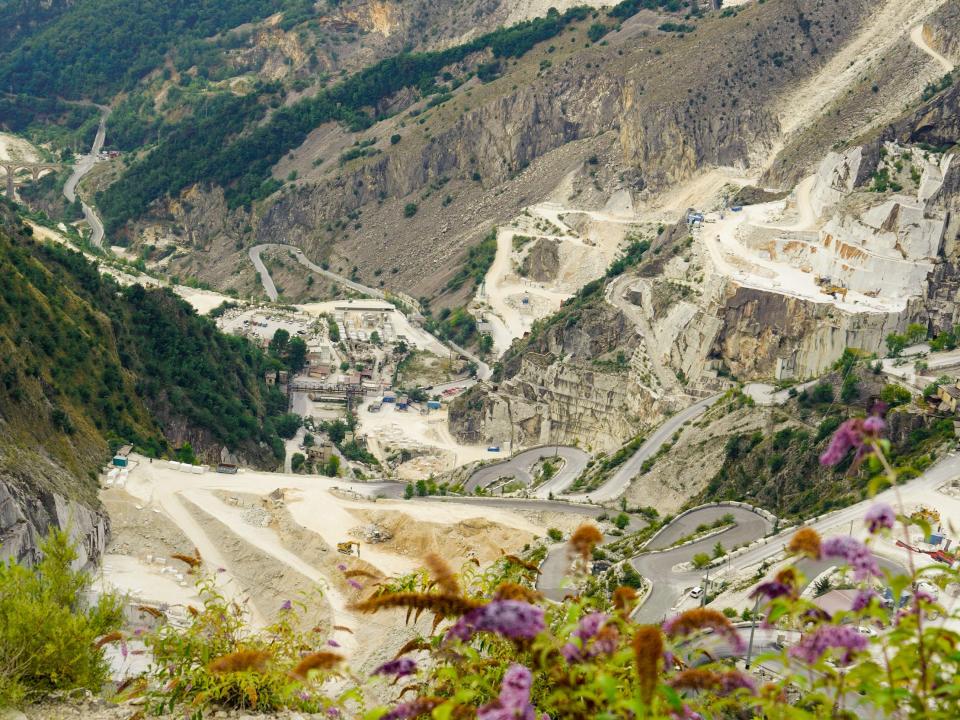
{"x": 372, "y": 533}
{"x": 258, "y": 517}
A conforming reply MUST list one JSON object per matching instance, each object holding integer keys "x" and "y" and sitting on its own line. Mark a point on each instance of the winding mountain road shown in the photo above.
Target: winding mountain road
{"x": 519, "y": 466}
{"x": 83, "y": 166}
{"x": 484, "y": 371}
{"x": 617, "y": 485}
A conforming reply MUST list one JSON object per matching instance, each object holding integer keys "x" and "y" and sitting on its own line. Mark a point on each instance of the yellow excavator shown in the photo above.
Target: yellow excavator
{"x": 347, "y": 547}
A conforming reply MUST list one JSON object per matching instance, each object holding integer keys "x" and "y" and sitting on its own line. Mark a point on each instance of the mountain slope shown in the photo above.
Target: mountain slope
{"x": 86, "y": 366}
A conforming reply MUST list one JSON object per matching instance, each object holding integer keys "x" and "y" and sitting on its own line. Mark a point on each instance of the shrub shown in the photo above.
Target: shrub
{"x": 288, "y": 424}
{"x": 409, "y": 210}
{"x": 217, "y": 660}
{"x": 701, "y": 560}
{"x": 894, "y": 394}
{"x": 48, "y": 638}
{"x": 621, "y": 521}
{"x": 555, "y": 534}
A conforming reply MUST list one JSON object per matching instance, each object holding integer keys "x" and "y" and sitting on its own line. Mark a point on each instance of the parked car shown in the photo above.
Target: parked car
{"x": 696, "y": 592}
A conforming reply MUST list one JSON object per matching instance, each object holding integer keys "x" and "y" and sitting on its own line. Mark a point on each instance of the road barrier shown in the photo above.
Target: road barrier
{"x": 768, "y": 516}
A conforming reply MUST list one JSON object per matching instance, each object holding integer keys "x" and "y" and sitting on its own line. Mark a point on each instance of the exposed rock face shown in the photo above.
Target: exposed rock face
{"x": 942, "y": 31}
{"x": 771, "y": 335}
{"x": 556, "y": 392}
{"x": 542, "y": 261}
{"x": 25, "y": 519}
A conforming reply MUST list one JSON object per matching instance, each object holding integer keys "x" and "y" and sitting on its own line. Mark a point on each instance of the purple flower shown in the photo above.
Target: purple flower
{"x": 511, "y": 618}
{"x": 854, "y": 434}
{"x": 854, "y": 553}
{"x": 287, "y": 605}
{"x": 880, "y": 515}
{"x": 840, "y": 637}
{"x": 406, "y": 710}
{"x": 400, "y": 667}
{"x": 354, "y": 584}
{"x": 333, "y": 643}
{"x": 514, "y": 700}
{"x": 590, "y": 625}
{"x": 863, "y": 600}
{"x": 735, "y": 680}
{"x": 333, "y": 712}
{"x": 570, "y": 652}
{"x": 772, "y": 590}
{"x": 341, "y": 567}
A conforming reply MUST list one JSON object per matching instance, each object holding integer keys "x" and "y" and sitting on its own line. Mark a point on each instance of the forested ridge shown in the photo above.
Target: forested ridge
{"x": 81, "y": 355}
{"x": 201, "y": 148}
{"x": 96, "y": 48}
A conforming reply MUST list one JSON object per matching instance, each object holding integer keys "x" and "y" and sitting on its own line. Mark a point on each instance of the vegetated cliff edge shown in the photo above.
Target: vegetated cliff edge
{"x": 86, "y": 366}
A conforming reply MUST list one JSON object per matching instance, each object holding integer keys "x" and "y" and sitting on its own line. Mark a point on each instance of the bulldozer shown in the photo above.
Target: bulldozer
{"x": 347, "y": 547}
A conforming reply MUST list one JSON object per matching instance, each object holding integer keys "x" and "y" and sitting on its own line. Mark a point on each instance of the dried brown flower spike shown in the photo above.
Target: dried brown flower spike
{"x": 584, "y": 539}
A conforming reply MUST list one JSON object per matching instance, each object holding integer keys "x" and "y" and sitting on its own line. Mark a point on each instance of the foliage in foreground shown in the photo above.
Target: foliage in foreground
{"x": 498, "y": 651}
{"x": 48, "y": 640}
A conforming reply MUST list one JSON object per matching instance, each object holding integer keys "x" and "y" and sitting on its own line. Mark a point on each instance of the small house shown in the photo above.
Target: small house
{"x": 949, "y": 397}
{"x": 120, "y": 461}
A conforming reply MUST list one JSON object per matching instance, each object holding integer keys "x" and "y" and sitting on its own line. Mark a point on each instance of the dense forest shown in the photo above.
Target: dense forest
{"x": 130, "y": 364}
{"x": 96, "y": 48}
{"x": 199, "y": 148}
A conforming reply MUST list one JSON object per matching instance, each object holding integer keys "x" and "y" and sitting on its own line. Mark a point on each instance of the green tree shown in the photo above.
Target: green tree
{"x": 297, "y": 461}
{"x": 408, "y": 491}
{"x": 48, "y": 634}
{"x": 894, "y": 394}
{"x": 916, "y": 333}
{"x": 701, "y": 560}
{"x": 621, "y": 521}
{"x": 850, "y": 389}
{"x": 718, "y": 550}
{"x": 185, "y": 454}
{"x": 296, "y": 354}
{"x": 895, "y": 344}
{"x": 278, "y": 345}
{"x": 331, "y": 468}
{"x": 486, "y": 343}
{"x": 288, "y": 424}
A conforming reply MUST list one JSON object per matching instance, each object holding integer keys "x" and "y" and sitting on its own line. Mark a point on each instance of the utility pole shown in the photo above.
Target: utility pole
{"x": 706, "y": 584}
{"x": 753, "y": 629}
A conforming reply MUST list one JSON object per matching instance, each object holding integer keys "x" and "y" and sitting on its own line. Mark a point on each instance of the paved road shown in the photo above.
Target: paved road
{"x": 519, "y": 466}
{"x": 669, "y": 586}
{"x": 84, "y": 165}
{"x": 617, "y": 485}
{"x": 268, "y": 287}
{"x": 484, "y": 371}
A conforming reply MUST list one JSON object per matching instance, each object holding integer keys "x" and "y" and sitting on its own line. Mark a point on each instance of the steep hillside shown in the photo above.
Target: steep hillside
{"x": 87, "y": 366}
{"x": 482, "y": 131}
